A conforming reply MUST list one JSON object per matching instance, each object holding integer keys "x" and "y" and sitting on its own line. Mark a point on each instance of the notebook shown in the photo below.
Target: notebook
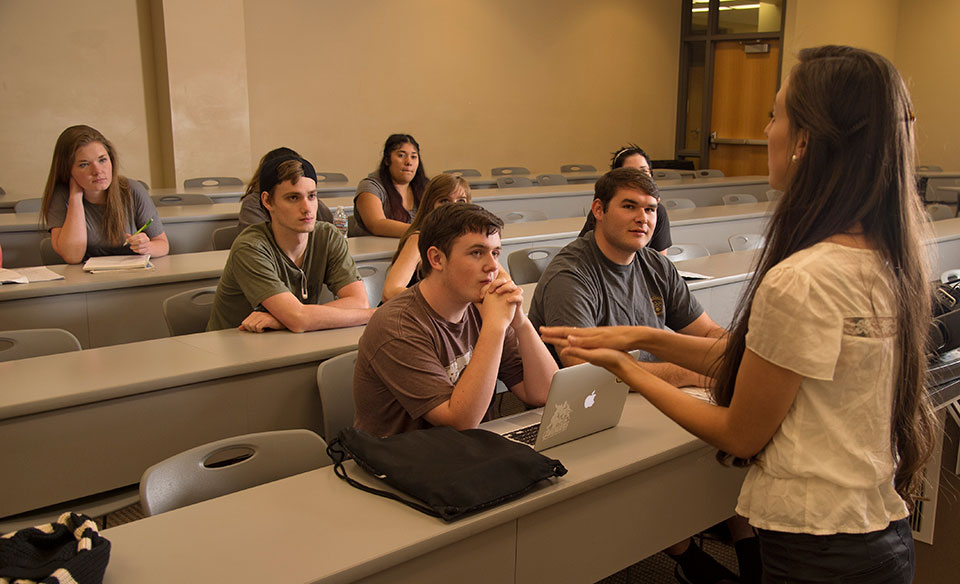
{"x": 113, "y": 263}
{"x": 583, "y": 399}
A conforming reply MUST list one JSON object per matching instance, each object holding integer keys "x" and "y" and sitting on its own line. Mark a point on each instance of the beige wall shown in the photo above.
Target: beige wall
{"x": 869, "y": 24}
{"x": 928, "y": 45}
{"x": 66, "y": 63}
{"x": 479, "y": 83}
{"x": 919, "y": 36}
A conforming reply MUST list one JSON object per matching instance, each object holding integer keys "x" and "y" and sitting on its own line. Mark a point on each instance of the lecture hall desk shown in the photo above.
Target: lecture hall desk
{"x": 109, "y": 413}
{"x": 630, "y": 491}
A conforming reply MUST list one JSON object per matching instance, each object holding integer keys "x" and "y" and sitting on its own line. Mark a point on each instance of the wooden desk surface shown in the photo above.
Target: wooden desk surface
{"x": 315, "y": 528}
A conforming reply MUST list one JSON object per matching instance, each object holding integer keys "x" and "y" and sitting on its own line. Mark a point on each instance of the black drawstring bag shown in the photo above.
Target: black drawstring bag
{"x": 453, "y": 473}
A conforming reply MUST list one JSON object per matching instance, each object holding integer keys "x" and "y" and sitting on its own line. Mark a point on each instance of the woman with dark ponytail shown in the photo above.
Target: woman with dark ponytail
{"x": 820, "y": 386}
{"x": 387, "y": 199}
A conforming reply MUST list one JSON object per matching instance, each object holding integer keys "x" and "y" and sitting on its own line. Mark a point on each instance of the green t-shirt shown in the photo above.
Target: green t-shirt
{"x": 257, "y": 269}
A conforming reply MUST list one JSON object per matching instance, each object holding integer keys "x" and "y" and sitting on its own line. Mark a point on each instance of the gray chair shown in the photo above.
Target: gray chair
{"x": 774, "y": 195}
{"x": 2, "y": 192}
{"x": 223, "y": 236}
{"x": 745, "y": 241}
{"x": 374, "y": 275}
{"x": 708, "y": 173}
{"x": 181, "y": 199}
{"x": 25, "y": 343}
{"x": 678, "y": 203}
{"x": 508, "y": 170}
{"x": 546, "y": 180}
{"x": 325, "y": 177}
{"x": 229, "y": 465}
{"x": 666, "y": 175}
{"x": 578, "y": 168}
{"x": 27, "y": 205}
{"x": 507, "y": 182}
{"x": 526, "y": 265}
{"x": 522, "y": 216}
{"x": 48, "y": 256}
{"x": 929, "y": 168}
{"x": 463, "y": 172}
{"x": 335, "y": 383}
{"x": 686, "y": 251}
{"x": 188, "y": 312}
{"x": 938, "y": 211}
{"x": 949, "y": 276}
{"x": 212, "y": 181}
{"x": 738, "y": 199}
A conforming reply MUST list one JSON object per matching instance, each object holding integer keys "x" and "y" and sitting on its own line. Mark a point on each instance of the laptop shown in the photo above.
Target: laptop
{"x": 583, "y": 399}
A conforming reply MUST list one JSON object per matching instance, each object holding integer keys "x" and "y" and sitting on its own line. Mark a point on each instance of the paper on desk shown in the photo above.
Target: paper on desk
{"x": 693, "y": 276}
{"x": 700, "y": 393}
{"x": 11, "y": 277}
{"x": 40, "y": 274}
{"x": 113, "y": 263}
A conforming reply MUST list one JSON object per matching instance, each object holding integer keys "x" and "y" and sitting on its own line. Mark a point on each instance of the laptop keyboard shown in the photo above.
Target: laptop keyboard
{"x": 526, "y": 435}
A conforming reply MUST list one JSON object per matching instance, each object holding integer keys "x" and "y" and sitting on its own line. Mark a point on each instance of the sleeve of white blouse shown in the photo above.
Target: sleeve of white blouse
{"x": 794, "y": 324}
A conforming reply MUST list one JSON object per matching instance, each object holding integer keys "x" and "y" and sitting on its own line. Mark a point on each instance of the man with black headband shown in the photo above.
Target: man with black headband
{"x": 276, "y": 270}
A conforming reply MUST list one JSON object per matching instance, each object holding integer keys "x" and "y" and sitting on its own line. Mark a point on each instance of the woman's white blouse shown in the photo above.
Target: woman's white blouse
{"x": 827, "y": 313}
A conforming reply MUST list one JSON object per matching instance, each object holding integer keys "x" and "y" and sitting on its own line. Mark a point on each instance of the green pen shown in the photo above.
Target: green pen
{"x": 145, "y": 225}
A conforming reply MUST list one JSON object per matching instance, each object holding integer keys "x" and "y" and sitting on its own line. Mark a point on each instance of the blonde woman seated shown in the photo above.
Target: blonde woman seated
{"x": 90, "y": 209}
{"x": 405, "y": 266}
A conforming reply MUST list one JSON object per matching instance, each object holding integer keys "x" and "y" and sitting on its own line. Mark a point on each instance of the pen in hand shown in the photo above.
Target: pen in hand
{"x": 145, "y": 225}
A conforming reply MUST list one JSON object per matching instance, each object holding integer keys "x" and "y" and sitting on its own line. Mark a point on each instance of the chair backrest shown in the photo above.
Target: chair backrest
{"x": 678, "y": 203}
{"x": 929, "y": 168}
{"x": 212, "y": 181}
{"x": 374, "y": 275}
{"x": 738, "y": 199}
{"x": 24, "y": 343}
{"x": 522, "y": 216}
{"x": 506, "y": 182}
{"x": 2, "y": 192}
{"x": 47, "y": 255}
{"x": 709, "y": 173}
{"x": 27, "y": 205}
{"x": 463, "y": 172}
{"x": 774, "y": 194}
{"x": 938, "y": 211}
{"x": 508, "y": 170}
{"x": 686, "y": 251}
{"x": 526, "y": 265}
{"x": 188, "y": 312}
{"x": 666, "y": 175}
{"x": 323, "y": 177}
{"x": 335, "y": 382}
{"x": 181, "y": 199}
{"x": 545, "y": 180}
{"x": 745, "y": 241}
{"x": 949, "y": 276}
{"x": 578, "y": 168}
{"x": 229, "y": 465}
{"x": 933, "y": 190}
{"x": 223, "y": 236}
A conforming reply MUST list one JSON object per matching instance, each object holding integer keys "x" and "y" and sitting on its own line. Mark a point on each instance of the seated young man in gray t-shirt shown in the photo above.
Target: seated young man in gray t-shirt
{"x": 609, "y": 277}
{"x": 275, "y": 272}
{"x": 431, "y": 356}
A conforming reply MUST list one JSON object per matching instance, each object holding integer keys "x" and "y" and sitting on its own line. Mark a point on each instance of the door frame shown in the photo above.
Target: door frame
{"x": 709, "y": 39}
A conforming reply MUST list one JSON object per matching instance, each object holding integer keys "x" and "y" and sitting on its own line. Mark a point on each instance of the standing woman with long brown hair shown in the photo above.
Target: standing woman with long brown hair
{"x": 90, "y": 209}
{"x": 820, "y": 386}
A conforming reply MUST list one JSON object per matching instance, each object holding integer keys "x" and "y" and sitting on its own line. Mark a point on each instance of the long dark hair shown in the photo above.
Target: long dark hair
{"x": 118, "y": 198}
{"x": 417, "y": 185}
{"x": 857, "y": 169}
{"x": 438, "y": 189}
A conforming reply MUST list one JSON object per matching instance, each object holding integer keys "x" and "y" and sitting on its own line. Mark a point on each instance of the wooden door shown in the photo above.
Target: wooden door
{"x": 744, "y": 86}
